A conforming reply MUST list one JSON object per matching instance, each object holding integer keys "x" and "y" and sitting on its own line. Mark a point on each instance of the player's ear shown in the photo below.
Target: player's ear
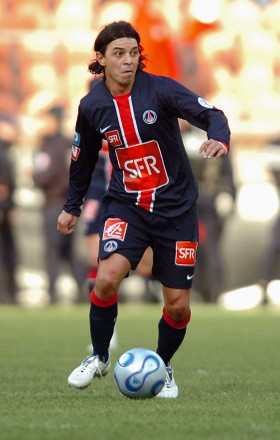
{"x": 100, "y": 59}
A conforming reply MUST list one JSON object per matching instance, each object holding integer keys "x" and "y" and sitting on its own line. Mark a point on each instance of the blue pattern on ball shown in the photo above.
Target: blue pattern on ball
{"x": 126, "y": 359}
{"x": 132, "y": 383}
{"x": 140, "y": 373}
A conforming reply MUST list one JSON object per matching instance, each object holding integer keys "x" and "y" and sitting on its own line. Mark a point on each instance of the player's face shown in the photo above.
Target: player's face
{"x": 120, "y": 63}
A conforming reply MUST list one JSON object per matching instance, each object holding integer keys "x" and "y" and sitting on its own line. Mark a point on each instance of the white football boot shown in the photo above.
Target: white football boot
{"x": 91, "y": 366}
{"x": 170, "y": 389}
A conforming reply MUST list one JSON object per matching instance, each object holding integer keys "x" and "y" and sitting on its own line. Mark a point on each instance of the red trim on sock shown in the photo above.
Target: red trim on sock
{"x": 103, "y": 302}
{"x": 176, "y": 324}
{"x": 92, "y": 272}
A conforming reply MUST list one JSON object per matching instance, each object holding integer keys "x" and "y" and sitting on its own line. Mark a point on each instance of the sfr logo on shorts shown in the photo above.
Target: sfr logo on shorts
{"x": 185, "y": 253}
{"x": 114, "y": 228}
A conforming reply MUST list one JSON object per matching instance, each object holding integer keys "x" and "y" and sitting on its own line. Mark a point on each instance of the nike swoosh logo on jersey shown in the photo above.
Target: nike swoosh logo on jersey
{"x": 104, "y": 129}
{"x": 189, "y": 277}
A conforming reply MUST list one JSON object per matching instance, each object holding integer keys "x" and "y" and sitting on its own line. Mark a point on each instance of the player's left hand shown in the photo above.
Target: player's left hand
{"x": 212, "y": 149}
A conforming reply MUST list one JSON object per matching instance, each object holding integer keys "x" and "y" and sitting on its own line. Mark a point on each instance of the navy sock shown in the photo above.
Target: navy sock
{"x": 169, "y": 340}
{"x": 102, "y": 323}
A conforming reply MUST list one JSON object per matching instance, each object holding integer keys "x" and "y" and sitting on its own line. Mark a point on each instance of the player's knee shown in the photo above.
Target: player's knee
{"x": 178, "y": 311}
{"x": 106, "y": 284}
{"x": 177, "y": 304}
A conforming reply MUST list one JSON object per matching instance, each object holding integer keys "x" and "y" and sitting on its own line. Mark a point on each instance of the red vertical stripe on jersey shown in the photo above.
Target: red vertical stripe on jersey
{"x": 127, "y": 120}
{"x": 145, "y": 198}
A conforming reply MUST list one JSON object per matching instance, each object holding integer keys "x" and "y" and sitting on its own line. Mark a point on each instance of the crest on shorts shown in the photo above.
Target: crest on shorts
{"x": 186, "y": 253}
{"x": 114, "y": 228}
{"x": 110, "y": 246}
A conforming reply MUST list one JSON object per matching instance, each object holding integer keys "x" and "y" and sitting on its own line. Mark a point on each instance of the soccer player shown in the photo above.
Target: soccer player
{"x": 151, "y": 198}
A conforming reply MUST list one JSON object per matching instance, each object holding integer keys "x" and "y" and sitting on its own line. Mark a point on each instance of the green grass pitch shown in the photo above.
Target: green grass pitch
{"x": 227, "y": 371}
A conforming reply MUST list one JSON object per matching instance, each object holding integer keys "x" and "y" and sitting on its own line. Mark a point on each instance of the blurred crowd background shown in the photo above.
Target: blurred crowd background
{"x": 228, "y": 51}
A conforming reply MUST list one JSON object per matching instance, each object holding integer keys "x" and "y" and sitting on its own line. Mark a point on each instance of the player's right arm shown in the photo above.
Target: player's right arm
{"x": 85, "y": 150}
{"x": 66, "y": 223}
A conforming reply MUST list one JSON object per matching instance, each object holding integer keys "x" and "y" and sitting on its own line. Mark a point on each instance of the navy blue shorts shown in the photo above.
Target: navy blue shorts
{"x": 129, "y": 231}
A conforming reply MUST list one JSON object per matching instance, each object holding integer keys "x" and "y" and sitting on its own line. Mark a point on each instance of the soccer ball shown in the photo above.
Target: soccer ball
{"x": 140, "y": 373}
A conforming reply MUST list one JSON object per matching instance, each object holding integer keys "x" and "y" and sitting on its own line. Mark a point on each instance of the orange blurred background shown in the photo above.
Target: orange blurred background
{"x": 228, "y": 51}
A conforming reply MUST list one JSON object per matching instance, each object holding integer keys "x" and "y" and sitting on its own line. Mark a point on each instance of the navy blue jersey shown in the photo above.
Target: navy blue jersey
{"x": 151, "y": 168}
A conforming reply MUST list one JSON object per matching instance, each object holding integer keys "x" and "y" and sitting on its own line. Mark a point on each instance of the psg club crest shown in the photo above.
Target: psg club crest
{"x": 111, "y": 246}
{"x": 149, "y": 117}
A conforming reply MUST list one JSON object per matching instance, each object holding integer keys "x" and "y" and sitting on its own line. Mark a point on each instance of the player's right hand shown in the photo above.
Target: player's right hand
{"x": 66, "y": 223}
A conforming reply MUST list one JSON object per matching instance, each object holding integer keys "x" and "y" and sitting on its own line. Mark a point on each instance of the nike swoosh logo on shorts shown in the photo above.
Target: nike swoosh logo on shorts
{"x": 104, "y": 129}
{"x": 189, "y": 277}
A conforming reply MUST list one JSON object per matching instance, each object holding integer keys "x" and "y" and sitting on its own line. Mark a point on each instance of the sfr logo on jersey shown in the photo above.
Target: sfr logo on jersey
{"x": 113, "y": 138}
{"x": 114, "y": 228}
{"x": 185, "y": 253}
{"x": 143, "y": 167}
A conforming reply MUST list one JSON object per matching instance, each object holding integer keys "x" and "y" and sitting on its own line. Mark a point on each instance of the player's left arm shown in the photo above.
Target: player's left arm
{"x": 213, "y": 149}
{"x": 185, "y": 104}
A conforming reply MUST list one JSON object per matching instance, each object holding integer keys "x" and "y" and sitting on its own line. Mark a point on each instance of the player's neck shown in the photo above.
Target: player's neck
{"x": 118, "y": 89}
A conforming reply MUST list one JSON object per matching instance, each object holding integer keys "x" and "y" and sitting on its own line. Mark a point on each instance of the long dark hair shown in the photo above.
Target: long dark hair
{"x": 113, "y": 31}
